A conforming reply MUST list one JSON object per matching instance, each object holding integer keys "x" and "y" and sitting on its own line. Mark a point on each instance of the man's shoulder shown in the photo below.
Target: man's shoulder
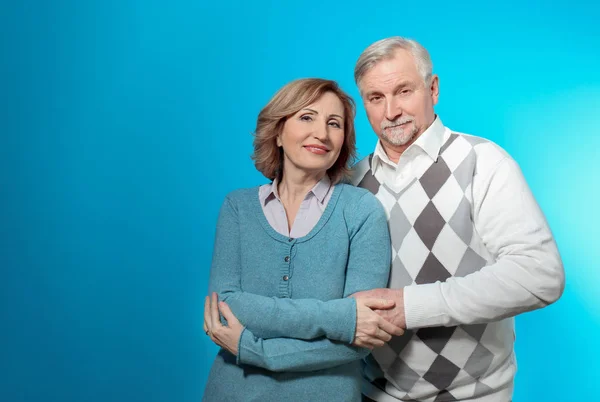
{"x": 475, "y": 141}
{"x": 359, "y": 170}
{"x": 486, "y": 151}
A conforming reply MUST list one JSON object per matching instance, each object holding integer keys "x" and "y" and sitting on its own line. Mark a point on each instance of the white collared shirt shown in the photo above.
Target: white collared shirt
{"x": 414, "y": 160}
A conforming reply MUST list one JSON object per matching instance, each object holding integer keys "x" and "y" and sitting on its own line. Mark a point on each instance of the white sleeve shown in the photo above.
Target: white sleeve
{"x": 527, "y": 272}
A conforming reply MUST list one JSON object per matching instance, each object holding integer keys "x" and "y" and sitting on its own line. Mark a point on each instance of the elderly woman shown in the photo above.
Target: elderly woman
{"x": 287, "y": 254}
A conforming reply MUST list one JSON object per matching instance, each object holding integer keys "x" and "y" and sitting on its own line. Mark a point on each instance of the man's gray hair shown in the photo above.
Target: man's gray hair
{"x": 384, "y": 49}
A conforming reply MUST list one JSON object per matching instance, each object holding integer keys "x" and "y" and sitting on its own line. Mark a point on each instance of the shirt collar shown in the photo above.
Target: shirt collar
{"x": 430, "y": 142}
{"x": 319, "y": 190}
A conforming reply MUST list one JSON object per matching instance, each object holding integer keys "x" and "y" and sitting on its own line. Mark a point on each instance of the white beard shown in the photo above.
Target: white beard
{"x": 399, "y": 135}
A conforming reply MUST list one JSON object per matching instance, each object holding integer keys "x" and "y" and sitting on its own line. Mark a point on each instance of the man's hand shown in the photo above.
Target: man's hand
{"x": 393, "y": 315}
{"x": 371, "y": 329}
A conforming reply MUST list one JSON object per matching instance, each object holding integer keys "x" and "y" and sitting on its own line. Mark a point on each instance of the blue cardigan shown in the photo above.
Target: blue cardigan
{"x": 291, "y": 296}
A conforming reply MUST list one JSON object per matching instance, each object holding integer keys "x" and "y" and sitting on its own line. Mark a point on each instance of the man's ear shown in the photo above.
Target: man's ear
{"x": 434, "y": 88}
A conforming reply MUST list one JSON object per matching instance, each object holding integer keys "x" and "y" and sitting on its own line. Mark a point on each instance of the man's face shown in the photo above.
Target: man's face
{"x": 398, "y": 102}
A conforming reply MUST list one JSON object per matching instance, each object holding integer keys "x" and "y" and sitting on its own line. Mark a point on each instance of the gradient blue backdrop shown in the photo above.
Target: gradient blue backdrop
{"x": 125, "y": 123}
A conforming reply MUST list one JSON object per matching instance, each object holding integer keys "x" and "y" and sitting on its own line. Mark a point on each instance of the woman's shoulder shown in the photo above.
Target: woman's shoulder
{"x": 351, "y": 195}
{"x": 242, "y": 193}
{"x": 358, "y": 203}
{"x": 241, "y": 196}
{"x": 358, "y": 207}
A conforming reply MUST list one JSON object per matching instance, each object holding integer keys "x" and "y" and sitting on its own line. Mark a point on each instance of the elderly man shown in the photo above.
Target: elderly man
{"x": 471, "y": 248}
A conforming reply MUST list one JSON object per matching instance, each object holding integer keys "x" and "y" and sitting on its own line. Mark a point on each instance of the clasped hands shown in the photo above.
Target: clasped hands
{"x": 379, "y": 315}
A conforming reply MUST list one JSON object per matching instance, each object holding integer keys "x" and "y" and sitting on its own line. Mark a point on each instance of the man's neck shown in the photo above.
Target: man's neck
{"x": 394, "y": 152}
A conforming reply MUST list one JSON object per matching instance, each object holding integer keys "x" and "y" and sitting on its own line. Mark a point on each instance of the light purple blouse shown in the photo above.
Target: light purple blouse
{"x": 308, "y": 215}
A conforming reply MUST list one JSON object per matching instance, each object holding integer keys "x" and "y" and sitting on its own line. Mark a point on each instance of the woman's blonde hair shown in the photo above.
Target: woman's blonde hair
{"x": 293, "y": 97}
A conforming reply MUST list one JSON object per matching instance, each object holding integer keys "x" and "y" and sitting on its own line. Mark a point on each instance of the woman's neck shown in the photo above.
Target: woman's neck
{"x": 294, "y": 186}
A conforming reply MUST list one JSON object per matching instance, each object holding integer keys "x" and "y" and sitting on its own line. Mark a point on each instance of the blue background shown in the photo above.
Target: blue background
{"x": 125, "y": 123}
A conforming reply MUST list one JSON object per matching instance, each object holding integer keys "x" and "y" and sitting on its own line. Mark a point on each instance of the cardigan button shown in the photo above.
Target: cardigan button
{"x": 285, "y": 277}
{"x": 287, "y": 258}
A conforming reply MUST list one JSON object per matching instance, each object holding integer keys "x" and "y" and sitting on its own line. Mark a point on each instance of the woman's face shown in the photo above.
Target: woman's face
{"x": 312, "y": 138}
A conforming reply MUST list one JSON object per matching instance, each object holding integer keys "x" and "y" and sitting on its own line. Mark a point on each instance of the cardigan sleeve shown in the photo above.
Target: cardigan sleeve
{"x": 295, "y": 355}
{"x": 272, "y": 317}
{"x": 370, "y": 253}
{"x": 368, "y": 267}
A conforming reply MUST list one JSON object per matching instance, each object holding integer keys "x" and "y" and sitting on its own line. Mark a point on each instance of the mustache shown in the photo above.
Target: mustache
{"x": 397, "y": 122}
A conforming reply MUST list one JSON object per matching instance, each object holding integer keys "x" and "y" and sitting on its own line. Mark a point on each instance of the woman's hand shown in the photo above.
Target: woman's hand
{"x": 228, "y": 337}
{"x": 372, "y": 330}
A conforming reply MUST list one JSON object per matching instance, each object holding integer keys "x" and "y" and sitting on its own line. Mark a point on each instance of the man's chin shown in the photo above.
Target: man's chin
{"x": 398, "y": 142}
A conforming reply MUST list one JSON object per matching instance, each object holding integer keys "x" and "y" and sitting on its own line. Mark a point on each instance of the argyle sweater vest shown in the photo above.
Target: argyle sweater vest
{"x": 434, "y": 238}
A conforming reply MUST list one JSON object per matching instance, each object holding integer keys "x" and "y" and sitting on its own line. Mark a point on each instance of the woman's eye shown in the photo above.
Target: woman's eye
{"x": 306, "y": 117}
{"x": 335, "y": 124}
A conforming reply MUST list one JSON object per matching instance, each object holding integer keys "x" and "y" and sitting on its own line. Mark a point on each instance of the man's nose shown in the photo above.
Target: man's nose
{"x": 392, "y": 109}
